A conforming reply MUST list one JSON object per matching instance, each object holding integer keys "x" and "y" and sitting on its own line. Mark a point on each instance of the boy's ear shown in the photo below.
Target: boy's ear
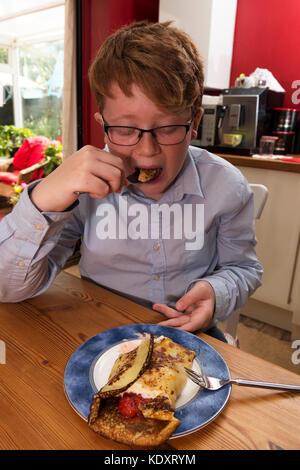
{"x": 100, "y": 121}
{"x": 196, "y": 123}
{"x": 98, "y": 118}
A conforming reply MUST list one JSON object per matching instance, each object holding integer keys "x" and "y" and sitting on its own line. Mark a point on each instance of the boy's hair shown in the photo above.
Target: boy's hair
{"x": 162, "y": 60}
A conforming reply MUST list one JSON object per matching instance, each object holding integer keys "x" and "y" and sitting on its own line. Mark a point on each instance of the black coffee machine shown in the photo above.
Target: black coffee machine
{"x": 246, "y": 117}
{"x": 297, "y": 139}
{"x": 284, "y": 128}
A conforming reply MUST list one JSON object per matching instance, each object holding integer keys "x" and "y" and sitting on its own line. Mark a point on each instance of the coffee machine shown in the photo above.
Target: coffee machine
{"x": 242, "y": 119}
{"x": 297, "y": 139}
{"x": 284, "y": 129}
{"x": 208, "y": 130}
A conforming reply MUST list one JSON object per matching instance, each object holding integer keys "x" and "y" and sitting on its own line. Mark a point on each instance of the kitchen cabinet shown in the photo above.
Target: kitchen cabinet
{"x": 277, "y": 301}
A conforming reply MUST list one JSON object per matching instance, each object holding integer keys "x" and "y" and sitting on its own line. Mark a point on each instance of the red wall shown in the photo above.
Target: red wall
{"x": 99, "y": 19}
{"x": 267, "y": 36}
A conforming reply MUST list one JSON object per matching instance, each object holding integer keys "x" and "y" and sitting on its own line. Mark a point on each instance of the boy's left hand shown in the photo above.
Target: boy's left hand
{"x": 194, "y": 310}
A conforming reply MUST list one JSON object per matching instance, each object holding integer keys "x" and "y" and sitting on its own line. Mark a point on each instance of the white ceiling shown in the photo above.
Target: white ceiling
{"x": 20, "y": 23}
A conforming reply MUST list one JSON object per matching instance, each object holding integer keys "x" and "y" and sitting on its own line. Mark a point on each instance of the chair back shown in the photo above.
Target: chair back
{"x": 260, "y": 193}
{"x": 260, "y": 198}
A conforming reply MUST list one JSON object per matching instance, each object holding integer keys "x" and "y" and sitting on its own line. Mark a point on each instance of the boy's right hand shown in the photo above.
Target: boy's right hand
{"x": 90, "y": 170}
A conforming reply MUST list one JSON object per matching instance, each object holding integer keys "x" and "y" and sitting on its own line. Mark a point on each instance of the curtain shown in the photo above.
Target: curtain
{"x": 69, "y": 133}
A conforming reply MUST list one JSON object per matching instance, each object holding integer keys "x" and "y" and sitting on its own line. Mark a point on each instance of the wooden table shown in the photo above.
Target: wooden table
{"x": 40, "y": 335}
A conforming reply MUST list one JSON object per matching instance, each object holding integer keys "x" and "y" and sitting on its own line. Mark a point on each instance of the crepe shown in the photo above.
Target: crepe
{"x": 146, "y": 174}
{"x": 154, "y": 393}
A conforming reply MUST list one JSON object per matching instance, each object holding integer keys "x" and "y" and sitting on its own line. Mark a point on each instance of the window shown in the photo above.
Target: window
{"x": 41, "y": 69}
{"x": 3, "y": 55}
{"x": 31, "y": 65}
{"x": 6, "y": 89}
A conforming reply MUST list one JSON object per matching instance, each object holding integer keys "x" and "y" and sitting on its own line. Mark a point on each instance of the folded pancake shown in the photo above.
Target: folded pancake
{"x": 141, "y": 413}
{"x": 146, "y": 174}
{"x": 128, "y": 368}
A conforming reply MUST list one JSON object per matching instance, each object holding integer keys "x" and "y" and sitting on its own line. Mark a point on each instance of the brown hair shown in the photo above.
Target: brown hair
{"x": 162, "y": 60}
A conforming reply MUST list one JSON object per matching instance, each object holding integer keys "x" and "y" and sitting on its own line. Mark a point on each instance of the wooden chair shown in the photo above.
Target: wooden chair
{"x": 21, "y": 168}
{"x": 25, "y": 175}
{"x": 260, "y": 198}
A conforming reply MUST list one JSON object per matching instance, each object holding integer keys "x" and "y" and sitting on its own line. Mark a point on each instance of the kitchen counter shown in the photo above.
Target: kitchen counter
{"x": 265, "y": 163}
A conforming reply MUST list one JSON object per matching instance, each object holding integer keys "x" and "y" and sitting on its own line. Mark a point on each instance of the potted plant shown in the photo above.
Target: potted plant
{"x": 54, "y": 153}
{"x": 17, "y": 190}
{"x": 11, "y": 139}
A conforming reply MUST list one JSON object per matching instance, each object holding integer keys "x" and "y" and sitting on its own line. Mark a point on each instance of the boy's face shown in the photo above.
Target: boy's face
{"x": 139, "y": 111}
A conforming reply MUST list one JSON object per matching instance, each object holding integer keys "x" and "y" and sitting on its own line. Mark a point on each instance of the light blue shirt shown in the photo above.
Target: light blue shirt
{"x": 128, "y": 246}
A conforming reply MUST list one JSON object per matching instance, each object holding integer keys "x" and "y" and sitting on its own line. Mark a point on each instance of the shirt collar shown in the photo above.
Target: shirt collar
{"x": 188, "y": 180}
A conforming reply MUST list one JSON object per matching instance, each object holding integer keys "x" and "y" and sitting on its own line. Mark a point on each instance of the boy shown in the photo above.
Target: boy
{"x": 183, "y": 242}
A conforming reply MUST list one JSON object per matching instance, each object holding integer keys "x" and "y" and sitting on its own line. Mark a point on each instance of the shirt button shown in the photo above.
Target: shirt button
{"x": 38, "y": 227}
{"x": 156, "y": 277}
{"x": 156, "y": 246}
{"x": 21, "y": 264}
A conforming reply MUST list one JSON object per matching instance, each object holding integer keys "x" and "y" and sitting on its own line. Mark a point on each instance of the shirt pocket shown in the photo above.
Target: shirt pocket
{"x": 200, "y": 262}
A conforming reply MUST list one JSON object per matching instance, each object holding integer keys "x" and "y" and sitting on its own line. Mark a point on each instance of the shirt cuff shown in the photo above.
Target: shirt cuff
{"x": 222, "y": 299}
{"x": 26, "y": 216}
{"x": 32, "y": 185}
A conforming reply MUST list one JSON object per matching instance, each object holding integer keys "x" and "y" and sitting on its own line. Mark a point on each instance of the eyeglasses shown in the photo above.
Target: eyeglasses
{"x": 164, "y": 135}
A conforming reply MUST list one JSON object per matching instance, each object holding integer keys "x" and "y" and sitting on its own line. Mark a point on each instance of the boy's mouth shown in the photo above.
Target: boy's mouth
{"x": 144, "y": 175}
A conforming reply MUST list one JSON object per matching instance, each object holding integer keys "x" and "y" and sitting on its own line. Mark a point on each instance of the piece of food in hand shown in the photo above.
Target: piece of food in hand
{"x": 142, "y": 413}
{"x": 147, "y": 175}
{"x": 142, "y": 175}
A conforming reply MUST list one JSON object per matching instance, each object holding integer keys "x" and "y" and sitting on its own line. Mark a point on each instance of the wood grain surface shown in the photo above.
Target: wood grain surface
{"x": 40, "y": 334}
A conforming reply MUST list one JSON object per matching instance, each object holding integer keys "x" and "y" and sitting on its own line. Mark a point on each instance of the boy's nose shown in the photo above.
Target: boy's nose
{"x": 147, "y": 146}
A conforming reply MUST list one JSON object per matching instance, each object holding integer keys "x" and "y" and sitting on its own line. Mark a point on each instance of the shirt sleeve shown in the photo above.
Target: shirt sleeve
{"x": 34, "y": 247}
{"x": 238, "y": 272}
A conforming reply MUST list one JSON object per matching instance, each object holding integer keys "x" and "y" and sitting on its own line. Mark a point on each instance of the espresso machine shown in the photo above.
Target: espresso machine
{"x": 208, "y": 130}
{"x": 241, "y": 120}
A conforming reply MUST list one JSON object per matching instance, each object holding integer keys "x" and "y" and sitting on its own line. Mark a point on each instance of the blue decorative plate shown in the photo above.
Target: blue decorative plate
{"x": 89, "y": 367}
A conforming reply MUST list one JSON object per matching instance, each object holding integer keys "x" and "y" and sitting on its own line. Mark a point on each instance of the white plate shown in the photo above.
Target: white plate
{"x": 89, "y": 366}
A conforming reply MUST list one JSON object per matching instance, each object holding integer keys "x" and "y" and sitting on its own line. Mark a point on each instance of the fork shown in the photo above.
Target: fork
{"x": 213, "y": 383}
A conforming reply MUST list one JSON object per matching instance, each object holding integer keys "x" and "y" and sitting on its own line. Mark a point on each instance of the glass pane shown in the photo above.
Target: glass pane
{"x": 7, "y": 110}
{"x": 3, "y": 55}
{"x": 41, "y": 81}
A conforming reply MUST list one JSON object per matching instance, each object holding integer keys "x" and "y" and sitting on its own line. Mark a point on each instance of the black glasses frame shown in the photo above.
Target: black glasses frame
{"x": 106, "y": 128}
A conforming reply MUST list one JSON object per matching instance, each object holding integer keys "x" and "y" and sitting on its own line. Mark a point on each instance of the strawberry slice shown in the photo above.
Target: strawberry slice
{"x": 129, "y": 404}
{"x": 128, "y": 407}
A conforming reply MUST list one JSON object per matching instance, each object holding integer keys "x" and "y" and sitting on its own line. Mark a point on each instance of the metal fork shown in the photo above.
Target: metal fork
{"x": 213, "y": 383}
